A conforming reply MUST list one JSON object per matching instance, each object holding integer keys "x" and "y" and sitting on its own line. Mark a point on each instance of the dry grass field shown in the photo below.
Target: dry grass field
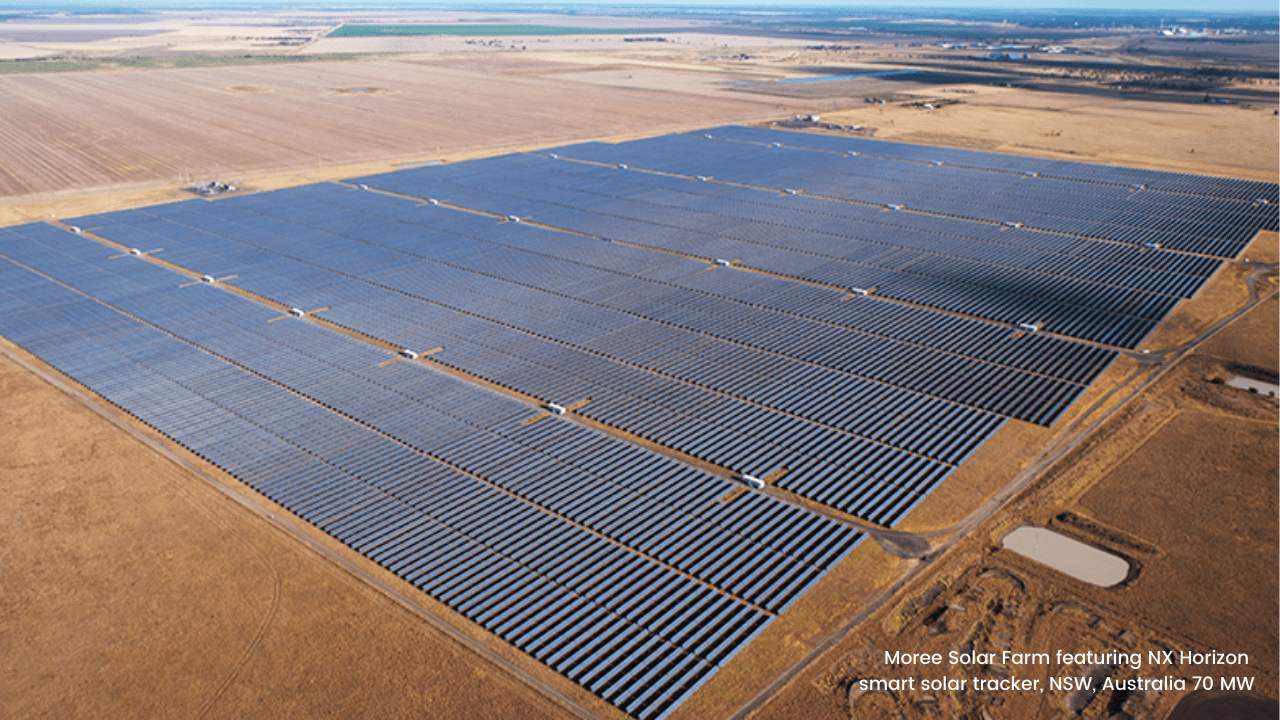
{"x": 1205, "y": 468}
{"x": 1230, "y": 141}
{"x": 94, "y": 129}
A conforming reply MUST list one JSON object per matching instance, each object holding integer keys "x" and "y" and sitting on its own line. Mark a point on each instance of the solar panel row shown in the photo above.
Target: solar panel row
{"x": 313, "y": 343}
{"x": 436, "y": 479}
{"x": 811, "y": 212}
{"x": 556, "y": 373}
{"x": 763, "y": 406}
{"x": 1203, "y": 186}
{"x": 1015, "y": 247}
{"x": 1133, "y": 205}
{"x": 802, "y": 222}
{"x": 1037, "y": 202}
{"x": 1115, "y": 303}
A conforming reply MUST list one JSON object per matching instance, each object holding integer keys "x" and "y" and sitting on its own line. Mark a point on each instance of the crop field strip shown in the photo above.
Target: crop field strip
{"x": 1204, "y": 225}
{"x": 667, "y": 387}
{"x": 549, "y": 534}
{"x": 1097, "y": 291}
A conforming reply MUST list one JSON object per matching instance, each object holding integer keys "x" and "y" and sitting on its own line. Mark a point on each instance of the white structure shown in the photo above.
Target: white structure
{"x": 1069, "y": 556}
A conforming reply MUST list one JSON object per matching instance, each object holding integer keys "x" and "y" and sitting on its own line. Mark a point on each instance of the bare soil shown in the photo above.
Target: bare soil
{"x": 1203, "y": 491}
{"x": 1253, "y": 348}
{"x": 91, "y": 129}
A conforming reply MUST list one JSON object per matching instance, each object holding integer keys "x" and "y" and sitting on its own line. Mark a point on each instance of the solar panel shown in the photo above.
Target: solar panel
{"x": 432, "y": 477}
{"x": 847, "y": 328}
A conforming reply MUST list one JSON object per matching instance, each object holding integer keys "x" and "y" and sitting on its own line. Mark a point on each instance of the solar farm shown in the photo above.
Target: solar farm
{"x": 621, "y": 405}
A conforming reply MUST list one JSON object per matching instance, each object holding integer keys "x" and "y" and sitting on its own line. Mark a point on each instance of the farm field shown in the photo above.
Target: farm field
{"x": 185, "y": 104}
{"x": 101, "y": 129}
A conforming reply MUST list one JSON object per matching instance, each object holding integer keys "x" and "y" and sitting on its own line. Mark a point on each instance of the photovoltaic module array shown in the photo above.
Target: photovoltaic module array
{"x": 846, "y": 319}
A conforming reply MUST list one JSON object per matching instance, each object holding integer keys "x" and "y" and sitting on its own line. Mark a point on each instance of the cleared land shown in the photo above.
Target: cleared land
{"x": 80, "y": 130}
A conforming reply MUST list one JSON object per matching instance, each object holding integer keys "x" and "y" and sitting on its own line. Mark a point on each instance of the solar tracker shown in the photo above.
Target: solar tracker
{"x": 511, "y": 523}
{"x": 1183, "y": 183}
{"x": 1087, "y": 288}
{"x": 563, "y": 352}
{"x": 578, "y": 396}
